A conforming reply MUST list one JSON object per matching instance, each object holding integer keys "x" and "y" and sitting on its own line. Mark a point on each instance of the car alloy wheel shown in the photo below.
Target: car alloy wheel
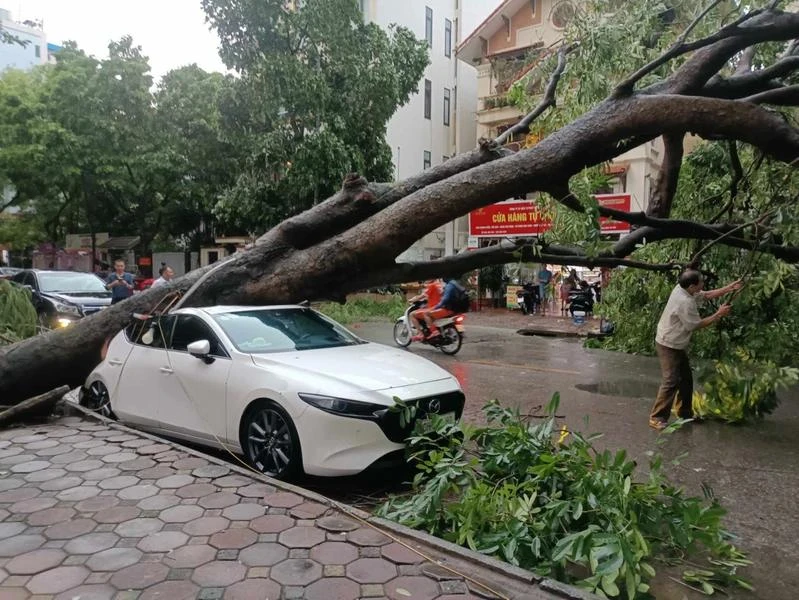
{"x": 270, "y": 441}
{"x": 402, "y": 336}
{"x": 97, "y": 399}
{"x": 452, "y": 340}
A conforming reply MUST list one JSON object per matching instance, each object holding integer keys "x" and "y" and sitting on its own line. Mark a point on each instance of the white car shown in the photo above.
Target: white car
{"x": 285, "y": 386}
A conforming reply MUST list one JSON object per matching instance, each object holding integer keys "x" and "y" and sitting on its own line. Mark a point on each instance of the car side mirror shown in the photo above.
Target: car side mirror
{"x": 201, "y": 349}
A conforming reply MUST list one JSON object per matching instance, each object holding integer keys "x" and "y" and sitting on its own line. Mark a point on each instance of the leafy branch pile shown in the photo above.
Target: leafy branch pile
{"x": 364, "y": 309}
{"x": 547, "y": 500}
{"x": 17, "y": 315}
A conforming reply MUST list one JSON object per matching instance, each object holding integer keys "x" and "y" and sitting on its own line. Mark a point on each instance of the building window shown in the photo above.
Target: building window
{"x": 38, "y": 51}
{"x": 428, "y": 97}
{"x": 446, "y": 107}
{"x": 427, "y": 159}
{"x": 447, "y": 38}
{"x": 428, "y": 25}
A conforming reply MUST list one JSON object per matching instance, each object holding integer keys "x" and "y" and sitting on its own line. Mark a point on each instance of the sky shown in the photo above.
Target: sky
{"x": 172, "y": 33}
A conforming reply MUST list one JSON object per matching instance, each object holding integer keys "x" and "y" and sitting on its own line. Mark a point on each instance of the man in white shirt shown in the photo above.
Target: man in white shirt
{"x": 166, "y": 273}
{"x": 679, "y": 320}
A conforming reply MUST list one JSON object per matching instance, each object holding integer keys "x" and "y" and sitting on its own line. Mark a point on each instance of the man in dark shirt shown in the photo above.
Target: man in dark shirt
{"x": 119, "y": 282}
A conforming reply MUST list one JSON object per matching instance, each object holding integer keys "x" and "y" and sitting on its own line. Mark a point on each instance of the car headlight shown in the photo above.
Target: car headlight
{"x": 68, "y": 309}
{"x": 341, "y": 406}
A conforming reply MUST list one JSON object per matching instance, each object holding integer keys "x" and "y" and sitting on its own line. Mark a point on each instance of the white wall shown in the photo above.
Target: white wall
{"x": 15, "y": 56}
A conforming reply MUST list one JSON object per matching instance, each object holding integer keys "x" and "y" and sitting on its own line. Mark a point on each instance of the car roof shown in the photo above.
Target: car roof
{"x": 218, "y": 310}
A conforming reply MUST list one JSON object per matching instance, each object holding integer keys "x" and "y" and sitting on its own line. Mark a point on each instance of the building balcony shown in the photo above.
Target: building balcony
{"x": 496, "y": 110}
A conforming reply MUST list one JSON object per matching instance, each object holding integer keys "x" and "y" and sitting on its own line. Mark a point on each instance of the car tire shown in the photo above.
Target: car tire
{"x": 452, "y": 341}
{"x": 401, "y": 336}
{"x": 97, "y": 399}
{"x": 270, "y": 441}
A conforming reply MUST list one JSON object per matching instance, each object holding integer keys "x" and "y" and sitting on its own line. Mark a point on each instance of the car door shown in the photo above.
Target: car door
{"x": 144, "y": 386}
{"x": 197, "y": 388}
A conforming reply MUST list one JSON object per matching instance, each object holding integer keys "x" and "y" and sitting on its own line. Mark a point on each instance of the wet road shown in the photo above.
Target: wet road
{"x": 753, "y": 469}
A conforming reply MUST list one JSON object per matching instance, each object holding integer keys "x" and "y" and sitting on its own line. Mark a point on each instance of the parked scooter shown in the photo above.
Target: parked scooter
{"x": 451, "y": 328}
{"x": 581, "y": 301}
{"x": 528, "y": 299}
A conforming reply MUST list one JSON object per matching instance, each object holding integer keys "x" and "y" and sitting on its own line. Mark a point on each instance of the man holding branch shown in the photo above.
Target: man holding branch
{"x": 679, "y": 320}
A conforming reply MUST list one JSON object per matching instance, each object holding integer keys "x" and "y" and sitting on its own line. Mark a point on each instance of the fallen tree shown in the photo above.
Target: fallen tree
{"x": 351, "y": 240}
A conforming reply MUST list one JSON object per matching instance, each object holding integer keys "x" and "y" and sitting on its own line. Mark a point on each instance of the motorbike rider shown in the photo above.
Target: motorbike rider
{"x": 443, "y": 309}
{"x": 431, "y": 296}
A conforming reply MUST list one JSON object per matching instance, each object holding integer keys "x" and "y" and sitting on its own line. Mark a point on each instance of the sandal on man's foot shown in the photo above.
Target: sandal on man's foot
{"x": 658, "y": 424}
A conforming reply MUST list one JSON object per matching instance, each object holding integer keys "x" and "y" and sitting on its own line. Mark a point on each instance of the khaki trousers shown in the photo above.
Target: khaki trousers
{"x": 678, "y": 380}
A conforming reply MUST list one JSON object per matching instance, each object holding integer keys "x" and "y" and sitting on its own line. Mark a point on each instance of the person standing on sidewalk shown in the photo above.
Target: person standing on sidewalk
{"x": 119, "y": 282}
{"x": 679, "y": 320}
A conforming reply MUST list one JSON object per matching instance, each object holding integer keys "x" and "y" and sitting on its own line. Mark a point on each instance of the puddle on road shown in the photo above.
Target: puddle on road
{"x": 625, "y": 388}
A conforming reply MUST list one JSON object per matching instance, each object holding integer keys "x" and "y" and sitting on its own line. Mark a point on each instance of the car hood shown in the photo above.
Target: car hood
{"x": 370, "y": 367}
{"x": 80, "y": 298}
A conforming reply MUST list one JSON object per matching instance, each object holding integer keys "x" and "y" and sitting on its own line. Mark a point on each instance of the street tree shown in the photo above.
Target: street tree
{"x": 351, "y": 240}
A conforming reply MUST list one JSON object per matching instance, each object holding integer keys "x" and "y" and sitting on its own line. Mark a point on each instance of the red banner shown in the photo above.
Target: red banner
{"x": 522, "y": 218}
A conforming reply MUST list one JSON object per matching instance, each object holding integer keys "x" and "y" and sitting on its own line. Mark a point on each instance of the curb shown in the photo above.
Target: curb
{"x": 521, "y": 577}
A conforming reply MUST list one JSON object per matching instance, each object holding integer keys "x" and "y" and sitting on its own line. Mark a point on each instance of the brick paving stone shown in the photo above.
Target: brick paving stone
{"x": 309, "y": 510}
{"x": 371, "y": 570}
{"x": 437, "y": 572}
{"x": 91, "y": 543}
{"x": 12, "y": 483}
{"x": 90, "y": 442}
{"x": 187, "y": 464}
{"x": 50, "y": 516}
{"x": 153, "y": 449}
{"x": 210, "y": 594}
{"x": 206, "y": 526}
{"x": 283, "y": 500}
{"x": 170, "y": 590}
{"x": 20, "y": 544}
{"x": 57, "y": 580}
{"x": 370, "y": 552}
{"x": 233, "y": 538}
{"x": 138, "y": 492}
{"x": 195, "y": 490}
{"x": 334, "y": 553}
{"x": 104, "y": 473}
{"x": 19, "y": 459}
{"x": 119, "y": 457}
{"x": 296, "y": 571}
{"x": 45, "y": 475}
{"x": 258, "y": 573}
{"x": 255, "y": 490}
{"x": 35, "y": 562}
{"x": 400, "y": 554}
{"x": 70, "y": 529}
{"x": 163, "y": 541}
{"x": 372, "y": 590}
{"x": 418, "y": 588}
{"x": 335, "y": 588}
{"x": 136, "y": 464}
{"x": 190, "y": 557}
{"x": 136, "y": 443}
{"x": 366, "y": 536}
{"x": 117, "y": 514}
{"x": 33, "y": 505}
{"x": 235, "y": 481}
{"x": 211, "y": 471}
{"x": 301, "y": 537}
{"x": 253, "y": 589}
{"x": 104, "y": 450}
{"x": 271, "y": 523}
{"x": 293, "y": 593}
{"x": 179, "y": 574}
{"x": 219, "y": 500}
{"x": 119, "y": 482}
{"x": 244, "y": 512}
{"x": 88, "y": 592}
{"x": 122, "y": 437}
{"x": 263, "y": 555}
{"x": 140, "y": 576}
{"x": 30, "y": 467}
{"x": 83, "y": 466}
{"x": 97, "y": 503}
{"x": 181, "y": 514}
{"x": 68, "y": 457}
{"x": 139, "y": 527}
{"x": 27, "y": 438}
{"x": 8, "y": 530}
{"x": 42, "y": 444}
{"x": 77, "y": 494}
{"x": 454, "y": 587}
{"x": 334, "y": 571}
{"x": 114, "y": 559}
{"x": 219, "y": 574}
{"x": 337, "y": 523}
{"x": 159, "y": 502}
{"x": 227, "y": 554}
{"x": 174, "y": 481}
{"x": 62, "y": 483}
{"x": 18, "y": 495}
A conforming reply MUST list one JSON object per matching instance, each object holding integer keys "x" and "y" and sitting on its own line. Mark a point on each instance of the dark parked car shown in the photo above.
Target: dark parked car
{"x": 61, "y": 297}
{"x": 8, "y": 272}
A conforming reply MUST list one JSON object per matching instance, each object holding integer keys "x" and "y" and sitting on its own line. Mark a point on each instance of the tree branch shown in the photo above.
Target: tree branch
{"x": 784, "y": 96}
{"x": 668, "y": 178}
{"x": 547, "y": 101}
{"x": 751, "y": 82}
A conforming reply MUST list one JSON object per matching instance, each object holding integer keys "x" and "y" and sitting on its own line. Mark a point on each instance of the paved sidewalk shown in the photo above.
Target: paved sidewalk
{"x": 91, "y": 510}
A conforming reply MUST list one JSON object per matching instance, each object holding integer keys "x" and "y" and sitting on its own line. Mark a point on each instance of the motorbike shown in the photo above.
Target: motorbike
{"x": 452, "y": 330}
{"x": 582, "y": 301}
{"x": 528, "y": 300}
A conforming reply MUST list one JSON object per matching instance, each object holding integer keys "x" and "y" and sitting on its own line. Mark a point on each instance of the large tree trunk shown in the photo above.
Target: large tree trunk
{"x": 350, "y": 241}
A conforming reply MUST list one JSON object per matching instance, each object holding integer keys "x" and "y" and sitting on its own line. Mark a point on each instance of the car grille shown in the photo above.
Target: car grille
{"x": 437, "y": 404}
{"x": 90, "y": 310}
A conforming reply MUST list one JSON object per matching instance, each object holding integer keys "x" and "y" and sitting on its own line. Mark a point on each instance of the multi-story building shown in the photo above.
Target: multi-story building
{"x": 503, "y": 48}
{"x": 439, "y": 120}
{"x": 23, "y": 45}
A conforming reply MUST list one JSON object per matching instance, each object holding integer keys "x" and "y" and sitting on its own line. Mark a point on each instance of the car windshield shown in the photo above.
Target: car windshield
{"x": 69, "y": 281}
{"x": 282, "y": 330}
